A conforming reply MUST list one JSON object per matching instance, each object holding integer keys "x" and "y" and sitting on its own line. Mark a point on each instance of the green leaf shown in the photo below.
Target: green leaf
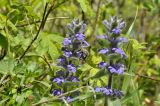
{"x": 157, "y": 1}
{"x": 84, "y": 4}
{"x": 20, "y": 99}
{"x": 129, "y": 96}
{"x": 6, "y": 66}
{"x": 132, "y": 25}
{"x": 148, "y": 6}
{"x": 50, "y": 43}
{"x": 82, "y": 97}
{"x": 6, "y": 22}
{"x": 85, "y": 67}
{"x": 43, "y": 83}
{"x": 3, "y": 41}
{"x": 3, "y": 101}
{"x": 53, "y": 51}
{"x": 100, "y": 73}
{"x": 117, "y": 102}
{"x": 56, "y": 38}
{"x": 28, "y": 93}
{"x": 135, "y": 44}
{"x": 31, "y": 12}
{"x": 68, "y": 83}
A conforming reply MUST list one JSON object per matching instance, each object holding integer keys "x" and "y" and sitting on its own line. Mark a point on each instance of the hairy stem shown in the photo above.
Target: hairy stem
{"x": 110, "y": 81}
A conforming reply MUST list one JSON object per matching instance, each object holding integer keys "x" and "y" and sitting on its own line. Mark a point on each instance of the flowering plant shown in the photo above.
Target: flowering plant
{"x": 73, "y": 51}
{"x": 113, "y": 65}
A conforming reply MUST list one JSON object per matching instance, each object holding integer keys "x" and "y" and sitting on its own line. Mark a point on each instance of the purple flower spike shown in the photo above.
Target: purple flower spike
{"x": 102, "y": 65}
{"x": 106, "y": 91}
{"x": 118, "y": 93}
{"x": 66, "y": 41}
{"x": 122, "y": 25}
{"x": 79, "y": 54}
{"x": 75, "y": 79}
{"x": 121, "y": 69}
{"x": 118, "y": 68}
{"x": 85, "y": 44}
{"x": 74, "y": 51}
{"x": 58, "y": 80}
{"x": 80, "y": 36}
{"x": 121, "y": 39}
{"x": 109, "y": 92}
{"x": 56, "y": 92}
{"x": 112, "y": 69}
{"x": 114, "y": 27}
{"x": 71, "y": 68}
{"x": 69, "y": 99}
{"x": 103, "y": 51}
{"x": 116, "y": 31}
{"x": 119, "y": 51}
{"x": 107, "y": 24}
{"x": 67, "y": 53}
{"x": 72, "y": 78}
{"x": 97, "y": 89}
{"x": 60, "y": 60}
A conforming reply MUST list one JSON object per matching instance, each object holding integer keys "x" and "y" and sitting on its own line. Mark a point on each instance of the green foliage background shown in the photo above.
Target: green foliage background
{"x": 26, "y": 81}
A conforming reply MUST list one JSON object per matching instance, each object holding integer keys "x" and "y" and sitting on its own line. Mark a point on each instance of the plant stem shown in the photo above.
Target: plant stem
{"x": 105, "y": 101}
{"x": 110, "y": 81}
{"x": 95, "y": 22}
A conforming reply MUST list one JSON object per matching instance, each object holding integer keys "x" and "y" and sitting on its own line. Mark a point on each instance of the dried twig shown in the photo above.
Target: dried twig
{"x": 5, "y": 76}
{"x": 45, "y": 74}
{"x": 45, "y": 16}
{"x": 41, "y": 77}
{"x": 142, "y": 76}
{"x": 38, "y": 21}
{"x": 40, "y": 28}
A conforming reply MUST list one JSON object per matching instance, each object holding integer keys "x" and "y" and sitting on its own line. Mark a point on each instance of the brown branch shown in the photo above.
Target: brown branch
{"x": 143, "y": 76}
{"x": 41, "y": 77}
{"x": 40, "y": 28}
{"x": 43, "y": 58}
{"x": 44, "y": 75}
{"x": 38, "y": 21}
{"x": 5, "y": 76}
{"x": 45, "y": 16}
